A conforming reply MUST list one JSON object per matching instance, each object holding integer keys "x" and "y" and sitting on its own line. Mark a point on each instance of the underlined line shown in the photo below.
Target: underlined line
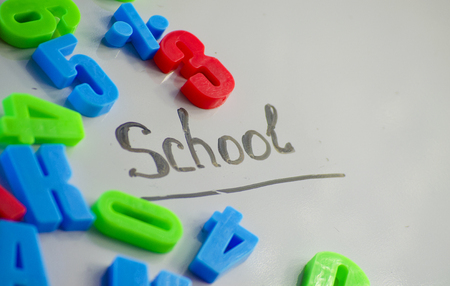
{"x": 244, "y": 188}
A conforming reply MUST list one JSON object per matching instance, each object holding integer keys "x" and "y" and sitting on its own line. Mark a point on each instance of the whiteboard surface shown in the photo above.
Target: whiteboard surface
{"x": 361, "y": 88}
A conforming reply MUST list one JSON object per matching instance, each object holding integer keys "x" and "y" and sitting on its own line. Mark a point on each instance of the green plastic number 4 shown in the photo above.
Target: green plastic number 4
{"x": 27, "y": 23}
{"x": 333, "y": 269}
{"x": 31, "y": 120}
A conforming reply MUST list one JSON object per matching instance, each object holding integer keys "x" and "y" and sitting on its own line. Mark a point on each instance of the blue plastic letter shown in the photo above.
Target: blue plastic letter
{"x": 119, "y": 34}
{"x": 227, "y": 245}
{"x": 40, "y": 183}
{"x": 157, "y": 24}
{"x": 96, "y": 94}
{"x": 166, "y": 278}
{"x": 20, "y": 255}
{"x": 128, "y": 272}
{"x": 142, "y": 38}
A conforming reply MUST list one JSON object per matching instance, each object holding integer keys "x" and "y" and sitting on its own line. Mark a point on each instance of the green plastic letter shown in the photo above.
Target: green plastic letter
{"x": 27, "y": 23}
{"x": 332, "y": 269}
{"x": 137, "y": 221}
{"x": 31, "y": 120}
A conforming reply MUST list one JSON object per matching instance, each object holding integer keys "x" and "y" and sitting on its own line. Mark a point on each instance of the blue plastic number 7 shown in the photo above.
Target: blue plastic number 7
{"x": 96, "y": 94}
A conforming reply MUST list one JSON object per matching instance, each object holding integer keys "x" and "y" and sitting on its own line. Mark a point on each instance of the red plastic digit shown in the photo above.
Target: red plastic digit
{"x": 10, "y": 207}
{"x": 209, "y": 83}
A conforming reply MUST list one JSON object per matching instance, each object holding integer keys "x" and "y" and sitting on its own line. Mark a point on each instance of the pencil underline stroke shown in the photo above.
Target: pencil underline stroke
{"x": 244, "y": 188}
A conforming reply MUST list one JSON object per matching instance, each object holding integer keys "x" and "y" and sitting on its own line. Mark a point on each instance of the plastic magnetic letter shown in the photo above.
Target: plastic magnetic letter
{"x": 129, "y": 272}
{"x": 209, "y": 83}
{"x": 157, "y": 25}
{"x": 126, "y": 272}
{"x": 329, "y": 269}
{"x": 227, "y": 245}
{"x": 27, "y": 23}
{"x": 137, "y": 221}
{"x": 10, "y": 207}
{"x": 141, "y": 37}
{"x": 31, "y": 120}
{"x": 21, "y": 261}
{"x": 96, "y": 94}
{"x": 39, "y": 181}
{"x": 166, "y": 278}
{"x": 118, "y": 34}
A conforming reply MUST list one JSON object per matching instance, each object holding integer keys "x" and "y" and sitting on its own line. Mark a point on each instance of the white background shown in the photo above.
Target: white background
{"x": 361, "y": 88}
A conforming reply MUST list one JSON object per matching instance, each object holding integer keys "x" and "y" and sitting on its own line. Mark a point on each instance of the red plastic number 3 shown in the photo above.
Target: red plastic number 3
{"x": 209, "y": 83}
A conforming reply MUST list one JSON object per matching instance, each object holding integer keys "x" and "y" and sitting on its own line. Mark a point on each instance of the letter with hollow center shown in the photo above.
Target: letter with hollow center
{"x": 227, "y": 245}
{"x": 21, "y": 260}
{"x": 223, "y": 150}
{"x": 329, "y": 268}
{"x": 31, "y": 120}
{"x": 28, "y": 23}
{"x": 122, "y": 137}
{"x": 136, "y": 221}
{"x": 247, "y": 142}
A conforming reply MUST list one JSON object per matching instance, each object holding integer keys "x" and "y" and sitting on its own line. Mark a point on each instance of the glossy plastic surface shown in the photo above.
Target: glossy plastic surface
{"x": 119, "y": 34}
{"x": 39, "y": 181}
{"x": 157, "y": 25}
{"x": 141, "y": 38}
{"x": 137, "y": 221}
{"x": 227, "y": 245}
{"x": 209, "y": 83}
{"x": 96, "y": 94}
{"x": 21, "y": 261}
{"x": 129, "y": 272}
{"x": 28, "y": 23}
{"x": 126, "y": 272}
{"x": 31, "y": 120}
{"x": 166, "y": 278}
{"x": 333, "y": 269}
{"x": 10, "y": 207}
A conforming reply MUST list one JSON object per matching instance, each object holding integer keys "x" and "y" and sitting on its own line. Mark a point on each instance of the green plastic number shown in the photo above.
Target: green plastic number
{"x": 31, "y": 120}
{"x": 27, "y": 23}
{"x": 333, "y": 269}
{"x": 137, "y": 221}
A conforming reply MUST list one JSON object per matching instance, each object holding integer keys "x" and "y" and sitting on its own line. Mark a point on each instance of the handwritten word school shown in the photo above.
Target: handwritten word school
{"x": 40, "y": 192}
{"x": 162, "y": 164}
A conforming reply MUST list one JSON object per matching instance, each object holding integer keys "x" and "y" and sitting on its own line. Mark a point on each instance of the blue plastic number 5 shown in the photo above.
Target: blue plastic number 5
{"x": 96, "y": 94}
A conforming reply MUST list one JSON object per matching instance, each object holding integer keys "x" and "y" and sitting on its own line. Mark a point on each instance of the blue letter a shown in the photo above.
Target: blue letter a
{"x": 20, "y": 256}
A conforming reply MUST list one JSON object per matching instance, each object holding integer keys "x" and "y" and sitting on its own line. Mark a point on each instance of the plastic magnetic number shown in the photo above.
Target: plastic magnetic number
{"x": 227, "y": 245}
{"x": 131, "y": 28}
{"x": 31, "y": 120}
{"x": 330, "y": 269}
{"x": 40, "y": 183}
{"x": 27, "y": 23}
{"x": 126, "y": 271}
{"x": 10, "y": 207}
{"x": 209, "y": 83}
{"x": 96, "y": 94}
{"x": 137, "y": 221}
{"x": 21, "y": 260}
